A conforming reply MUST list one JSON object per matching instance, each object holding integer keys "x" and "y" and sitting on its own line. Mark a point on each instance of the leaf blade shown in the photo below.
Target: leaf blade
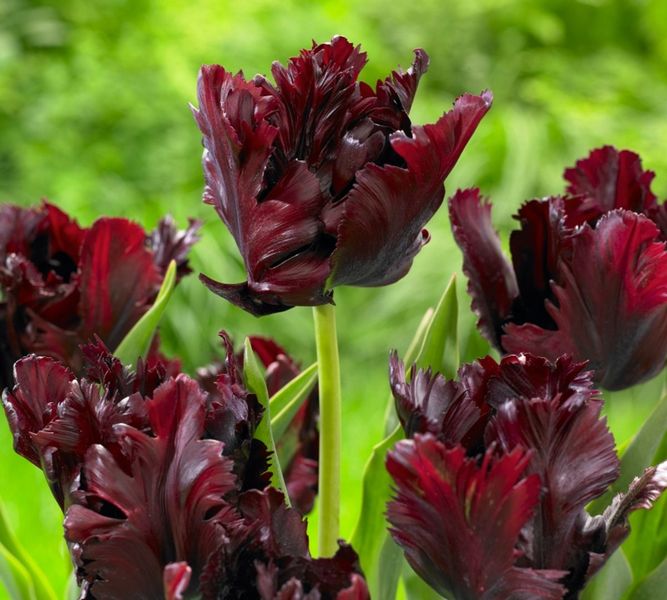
{"x": 138, "y": 340}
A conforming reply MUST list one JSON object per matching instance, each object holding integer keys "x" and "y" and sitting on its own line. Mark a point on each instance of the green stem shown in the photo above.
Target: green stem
{"x": 330, "y": 428}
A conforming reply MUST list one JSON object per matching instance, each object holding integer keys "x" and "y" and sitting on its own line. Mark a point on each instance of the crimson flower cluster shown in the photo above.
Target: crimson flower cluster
{"x": 63, "y": 284}
{"x": 492, "y": 488}
{"x": 321, "y": 179}
{"x": 588, "y": 275}
{"x": 165, "y": 491}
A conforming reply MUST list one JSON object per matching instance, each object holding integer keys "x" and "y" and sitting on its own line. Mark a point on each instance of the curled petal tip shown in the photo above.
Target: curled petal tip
{"x": 239, "y": 294}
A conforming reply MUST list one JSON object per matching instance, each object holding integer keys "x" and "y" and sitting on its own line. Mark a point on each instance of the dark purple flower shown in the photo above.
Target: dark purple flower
{"x": 588, "y": 275}
{"x": 63, "y": 284}
{"x": 321, "y": 179}
{"x": 165, "y": 490}
{"x": 492, "y": 490}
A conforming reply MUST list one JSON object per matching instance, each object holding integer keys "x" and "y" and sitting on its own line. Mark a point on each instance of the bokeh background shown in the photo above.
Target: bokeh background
{"x": 94, "y": 115}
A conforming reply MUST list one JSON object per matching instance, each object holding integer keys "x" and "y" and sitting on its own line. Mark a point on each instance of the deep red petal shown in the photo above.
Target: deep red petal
{"x": 611, "y": 305}
{"x": 553, "y": 411}
{"x": 118, "y": 279}
{"x": 168, "y": 243}
{"x": 458, "y": 522}
{"x": 381, "y": 228}
{"x": 492, "y": 283}
{"x": 427, "y": 403}
{"x": 41, "y": 384}
{"x": 174, "y": 478}
{"x": 176, "y": 579}
{"x": 536, "y": 249}
{"x": 608, "y": 179}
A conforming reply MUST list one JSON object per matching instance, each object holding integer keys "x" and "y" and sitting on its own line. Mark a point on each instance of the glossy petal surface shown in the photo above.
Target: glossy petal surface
{"x": 458, "y": 521}
{"x": 611, "y": 305}
{"x": 321, "y": 179}
{"x": 492, "y": 284}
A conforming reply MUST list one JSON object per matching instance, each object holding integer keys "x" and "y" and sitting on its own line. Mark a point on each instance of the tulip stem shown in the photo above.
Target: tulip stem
{"x": 330, "y": 428}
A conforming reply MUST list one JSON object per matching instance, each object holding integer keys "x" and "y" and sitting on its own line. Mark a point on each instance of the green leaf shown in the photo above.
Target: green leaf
{"x": 646, "y": 547}
{"x": 137, "y": 342}
{"x": 72, "y": 591}
{"x": 415, "y": 587}
{"x": 653, "y": 586}
{"x": 370, "y": 536}
{"x": 612, "y": 582}
{"x": 641, "y": 453}
{"x": 255, "y": 382}
{"x": 285, "y": 403}
{"x": 15, "y": 577}
{"x": 13, "y": 550}
{"x": 439, "y": 349}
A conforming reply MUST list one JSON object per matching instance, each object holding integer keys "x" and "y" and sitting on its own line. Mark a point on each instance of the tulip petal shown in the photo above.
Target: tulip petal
{"x": 168, "y": 243}
{"x": 611, "y": 305}
{"x": 176, "y": 579}
{"x": 536, "y": 249}
{"x": 427, "y": 403}
{"x": 459, "y": 521}
{"x": 41, "y": 384}
{"x": 119, "y": 279}
{"x": 572, "y": 452}
{"x": 174, "y": 478}
{"x": 381, "y": 228}
{"x": 608, "y": 179}
{"x": 492, "y": 283}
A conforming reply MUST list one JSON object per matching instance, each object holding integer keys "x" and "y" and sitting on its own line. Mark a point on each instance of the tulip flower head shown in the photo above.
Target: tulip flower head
{"x": 588, "y": 275}
{"x": 321, "y": 179}
{"x": 63, "y": 284}
{"x": 165, "y": 490}
{"x": 492, "y": 488}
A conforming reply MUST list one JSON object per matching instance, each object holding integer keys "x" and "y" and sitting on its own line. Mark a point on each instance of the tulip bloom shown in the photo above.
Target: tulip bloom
{"x": 492, "y": 489}
{"x": 63, "y": 284}
{"x": 321, "y": 179}
{"x": 164, "y": 489}
{"x": 588, "y": 275}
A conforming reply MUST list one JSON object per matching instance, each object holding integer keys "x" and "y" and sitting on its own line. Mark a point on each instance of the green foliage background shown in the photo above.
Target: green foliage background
{"x": 94, "y": 115}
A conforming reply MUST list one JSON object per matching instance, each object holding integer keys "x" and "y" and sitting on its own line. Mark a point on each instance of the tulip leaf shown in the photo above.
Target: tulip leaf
{"x": 653, "y": 586}
{"x": 255, "y": 382}
{"x": 415, "y": 587}
{"x": 370, "y": 534}
{"x": 15, "y": 577}
{"x": 439, "y": 349}
{"x": 639, "y": 454}
{"x": 612, "y": 581}
{"x": 72, "y": 591}
{"x": 13, "y": 554}
{"x": 285, "y": 403}
{"x": 138, "y": 340}
{"x": 646, "y": 547}
{"x": 417, "y": 343}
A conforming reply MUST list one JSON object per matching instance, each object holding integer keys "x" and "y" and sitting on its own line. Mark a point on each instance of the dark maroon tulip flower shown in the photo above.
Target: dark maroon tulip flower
{"x": 165, "y": 491}
{"x": 492, "y": 489}
{"x": 588, "y": 275}
{"x": 63, "y": 284}
{"x": 321, "y": 179}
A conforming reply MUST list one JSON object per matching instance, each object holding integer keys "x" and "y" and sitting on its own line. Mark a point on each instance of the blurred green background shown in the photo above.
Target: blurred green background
{"x": 94, "y": 115}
